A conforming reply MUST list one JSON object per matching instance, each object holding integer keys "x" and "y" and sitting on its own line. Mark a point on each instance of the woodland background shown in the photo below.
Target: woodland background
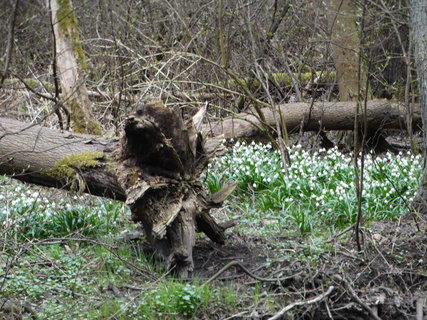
{"x": 239, "y": 62}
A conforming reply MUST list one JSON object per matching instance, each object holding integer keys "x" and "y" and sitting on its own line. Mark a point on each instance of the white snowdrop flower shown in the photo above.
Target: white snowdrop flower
{"x": 254, "y": 185}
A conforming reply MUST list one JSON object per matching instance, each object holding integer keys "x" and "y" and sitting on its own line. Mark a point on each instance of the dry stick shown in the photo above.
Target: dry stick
{"x": 221, "y": 33}
{"x": 359, "y": 179}
{"x": 282, "y": 134}
{"x": 243, "y": 268}
{"x": 340, "y": 234}
{"x": 240, "y": 314}
{"x": 355, "y": 297}
{"x": 378, "y": 250}
{"x": 191, "y": 38}
{"x": 301, "y": 303}
{"x": 294, "y": 81}
{"x": 420, "y": 307}
{"x": 58, "y": 104}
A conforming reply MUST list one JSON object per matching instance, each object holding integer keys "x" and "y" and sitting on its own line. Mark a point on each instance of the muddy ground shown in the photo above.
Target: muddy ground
{"x": 388, "y": 280}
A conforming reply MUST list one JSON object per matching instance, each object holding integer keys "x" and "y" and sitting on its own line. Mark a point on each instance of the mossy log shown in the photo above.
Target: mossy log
{"x": 154, "y": 167}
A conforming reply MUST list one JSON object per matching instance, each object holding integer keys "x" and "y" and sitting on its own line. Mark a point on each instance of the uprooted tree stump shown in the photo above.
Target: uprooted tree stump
{"x": 160, "y": 163}
{"x": 155, "y": 168}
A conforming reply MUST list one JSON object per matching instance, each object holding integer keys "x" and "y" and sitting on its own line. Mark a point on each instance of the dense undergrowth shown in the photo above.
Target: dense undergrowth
{"x": 60, "y": 257}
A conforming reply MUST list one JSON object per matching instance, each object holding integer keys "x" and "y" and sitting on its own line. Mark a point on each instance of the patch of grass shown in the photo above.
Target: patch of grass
{"x": 72, "y": 276}
{"x": 175, "y": 300}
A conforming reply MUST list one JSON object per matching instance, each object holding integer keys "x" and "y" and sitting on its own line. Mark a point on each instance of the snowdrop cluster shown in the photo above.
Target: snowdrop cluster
{"x": 39, "y": 213}
{"x": 320, "y": 183}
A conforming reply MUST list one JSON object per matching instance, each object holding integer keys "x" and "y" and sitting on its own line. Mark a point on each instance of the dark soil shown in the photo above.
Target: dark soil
{"x": 387, "y": 279}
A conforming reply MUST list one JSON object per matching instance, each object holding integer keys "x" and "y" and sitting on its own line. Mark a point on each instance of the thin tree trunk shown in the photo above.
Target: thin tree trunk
{"x": 345, "y": 43}
{"x": 70, "y": 62}
{"x": 419, "y": 32}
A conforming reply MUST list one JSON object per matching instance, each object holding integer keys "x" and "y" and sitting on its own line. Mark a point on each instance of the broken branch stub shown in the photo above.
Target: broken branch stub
{"x": 159, "y": 166}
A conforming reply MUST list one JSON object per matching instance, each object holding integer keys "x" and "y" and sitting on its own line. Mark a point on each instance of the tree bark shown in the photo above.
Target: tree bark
{"x": 345, "y": 44}
{"x": 33, "y": 154}
{"x": 381, "y": 114}
{"x": 155, "y": 167}
{"x": 419, "y": 27}
{"x": 70, "y": 61}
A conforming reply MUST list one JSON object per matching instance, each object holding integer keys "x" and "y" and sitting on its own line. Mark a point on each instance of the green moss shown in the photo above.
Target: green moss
{"x": 32, "y": 83}
{"x": 79, "y": 121}
{"x": 133, "y": 178}
{"x": 93, "y": 127}
{"x": 64, "y": 169}
{"x": 67, "y": 22}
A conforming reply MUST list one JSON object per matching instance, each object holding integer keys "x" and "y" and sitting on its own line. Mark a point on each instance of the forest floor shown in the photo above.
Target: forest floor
{"x": 386, "y": 279}
{"x": 253, "y": 276}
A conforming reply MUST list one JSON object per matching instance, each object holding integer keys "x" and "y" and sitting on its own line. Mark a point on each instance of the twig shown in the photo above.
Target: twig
{"x": 355, "y": 297}
{"x": 237, "y": 315}
{"x": 301, "y": 303}
{"x": 379, "y": 252}
{"x": 420, "y": 303}
{"x": 340, "y": 234}
{"x": 243, "y": 268}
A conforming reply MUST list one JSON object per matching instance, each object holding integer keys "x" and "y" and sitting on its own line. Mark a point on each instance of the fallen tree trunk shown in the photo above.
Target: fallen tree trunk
{"x": 155, "y": 168}
{"x": 381, "y": 114}
{"x": 64, "y": 160}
